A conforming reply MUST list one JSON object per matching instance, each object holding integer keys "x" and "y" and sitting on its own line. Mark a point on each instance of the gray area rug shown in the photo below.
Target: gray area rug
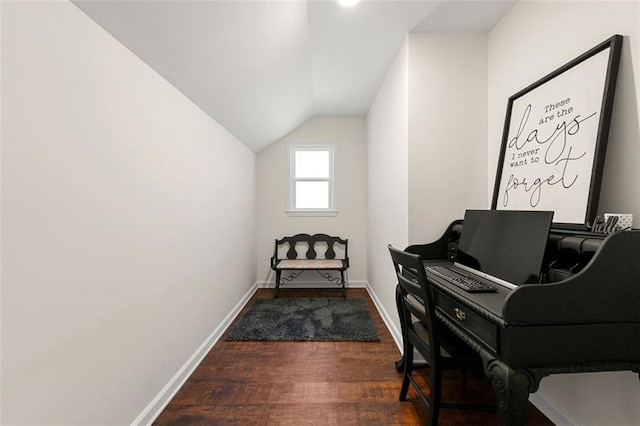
{"x": 306, "y": 319}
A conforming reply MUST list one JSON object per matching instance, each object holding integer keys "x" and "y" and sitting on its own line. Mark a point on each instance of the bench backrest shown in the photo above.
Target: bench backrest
{"x": 311, "y": 240}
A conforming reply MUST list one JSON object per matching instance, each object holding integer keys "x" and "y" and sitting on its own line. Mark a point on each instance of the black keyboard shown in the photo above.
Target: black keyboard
{"x": 465, "y": 282}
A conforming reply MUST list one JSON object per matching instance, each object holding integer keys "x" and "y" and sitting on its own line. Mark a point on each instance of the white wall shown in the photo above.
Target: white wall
{"x": 350, "y": 135}
{"x": 427, "y": 149}
{"x": 532, "y": 40}
{"x": 127, "y": 223}
{"x": 1, "y": 214}
{"x": 388, "y": 180}
{"x": 447, "y": 130}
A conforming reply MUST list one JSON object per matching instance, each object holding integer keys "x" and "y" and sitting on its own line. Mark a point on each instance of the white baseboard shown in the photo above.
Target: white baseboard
{"x": 549, "y": 409}
{"x": 162, "y": 399}
{"x": 395, "y": 333}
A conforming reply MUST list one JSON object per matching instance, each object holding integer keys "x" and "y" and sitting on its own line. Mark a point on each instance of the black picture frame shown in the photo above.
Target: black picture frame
{"x": 555, "y": 137}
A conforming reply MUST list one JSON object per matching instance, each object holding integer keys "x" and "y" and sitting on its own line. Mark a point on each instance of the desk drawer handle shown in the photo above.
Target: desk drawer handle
{"x": 460, "y": 314}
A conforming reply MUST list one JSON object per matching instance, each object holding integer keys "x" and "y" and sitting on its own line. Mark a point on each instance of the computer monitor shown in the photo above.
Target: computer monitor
{"x": 504, "y": 246}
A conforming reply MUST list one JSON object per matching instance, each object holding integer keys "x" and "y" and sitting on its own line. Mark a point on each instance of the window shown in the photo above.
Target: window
{"x": 312, "y": 180}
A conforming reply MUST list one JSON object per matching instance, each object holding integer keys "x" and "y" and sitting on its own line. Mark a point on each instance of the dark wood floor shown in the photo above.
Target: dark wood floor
{"x": 293, "y": 383}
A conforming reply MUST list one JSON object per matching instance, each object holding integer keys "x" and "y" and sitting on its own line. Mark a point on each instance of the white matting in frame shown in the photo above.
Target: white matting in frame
{"x": 555, "y": 136}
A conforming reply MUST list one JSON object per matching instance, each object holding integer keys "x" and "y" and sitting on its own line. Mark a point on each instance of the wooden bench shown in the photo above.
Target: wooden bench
{"x": 306, "y": 252}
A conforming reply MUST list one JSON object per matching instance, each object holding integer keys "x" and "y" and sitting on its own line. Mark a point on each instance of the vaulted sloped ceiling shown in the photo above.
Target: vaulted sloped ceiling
{"x": 262, "y": 68}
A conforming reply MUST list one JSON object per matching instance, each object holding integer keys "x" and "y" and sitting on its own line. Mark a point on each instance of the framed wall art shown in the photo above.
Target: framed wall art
{"x": 555, "y": 137}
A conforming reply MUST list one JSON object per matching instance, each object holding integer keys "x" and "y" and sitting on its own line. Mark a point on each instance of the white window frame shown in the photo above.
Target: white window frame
{"x": 292, "y": 148}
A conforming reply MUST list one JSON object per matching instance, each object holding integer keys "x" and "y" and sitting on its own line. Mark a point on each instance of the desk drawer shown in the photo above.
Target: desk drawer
{"x": 482, "y": 329}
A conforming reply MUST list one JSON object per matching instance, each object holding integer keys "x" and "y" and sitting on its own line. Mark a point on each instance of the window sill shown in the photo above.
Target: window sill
{"x": 312, "y": 213}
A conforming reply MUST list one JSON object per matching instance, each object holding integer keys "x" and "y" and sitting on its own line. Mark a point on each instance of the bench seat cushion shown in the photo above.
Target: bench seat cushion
{"x": 310, "y": 264}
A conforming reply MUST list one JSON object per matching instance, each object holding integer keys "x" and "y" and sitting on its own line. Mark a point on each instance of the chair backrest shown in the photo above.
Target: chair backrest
{"x": 412, "y": 282}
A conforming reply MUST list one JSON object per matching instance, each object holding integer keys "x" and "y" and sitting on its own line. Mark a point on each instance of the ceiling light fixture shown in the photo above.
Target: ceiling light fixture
{"x": 347, "y": 3}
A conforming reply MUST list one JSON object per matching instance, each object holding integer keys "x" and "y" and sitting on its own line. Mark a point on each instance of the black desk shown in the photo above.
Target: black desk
{"x": 588, "y": 320}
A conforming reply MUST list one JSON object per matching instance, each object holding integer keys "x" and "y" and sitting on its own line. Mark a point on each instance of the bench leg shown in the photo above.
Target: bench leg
{"x": 344, "y": 290}
{"x": 278, "y": 273}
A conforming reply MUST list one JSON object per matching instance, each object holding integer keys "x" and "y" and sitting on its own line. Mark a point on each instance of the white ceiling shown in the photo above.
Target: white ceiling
{"x": 261, "y": 68}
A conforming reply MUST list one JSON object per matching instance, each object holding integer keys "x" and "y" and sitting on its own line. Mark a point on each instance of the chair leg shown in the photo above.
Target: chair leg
{"x": 403, "y": 328}
{"x": 344, "y": 291}
{"x": 408, "y": 369}
{"x": 434, "y": 397}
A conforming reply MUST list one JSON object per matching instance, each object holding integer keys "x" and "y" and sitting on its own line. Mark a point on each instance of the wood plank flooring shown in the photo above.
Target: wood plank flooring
{"x": 316, "y": 383}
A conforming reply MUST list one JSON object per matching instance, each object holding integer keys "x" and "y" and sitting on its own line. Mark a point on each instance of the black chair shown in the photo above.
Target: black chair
{"x": 441, "y": 349}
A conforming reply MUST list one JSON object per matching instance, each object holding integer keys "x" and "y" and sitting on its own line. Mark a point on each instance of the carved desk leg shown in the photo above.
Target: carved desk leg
{"x": 512, "y": 388}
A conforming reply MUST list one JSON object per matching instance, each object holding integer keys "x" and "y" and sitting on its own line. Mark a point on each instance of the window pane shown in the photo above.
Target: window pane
{"x": 312, "y": 195}
{"x": 312, "y": 164}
